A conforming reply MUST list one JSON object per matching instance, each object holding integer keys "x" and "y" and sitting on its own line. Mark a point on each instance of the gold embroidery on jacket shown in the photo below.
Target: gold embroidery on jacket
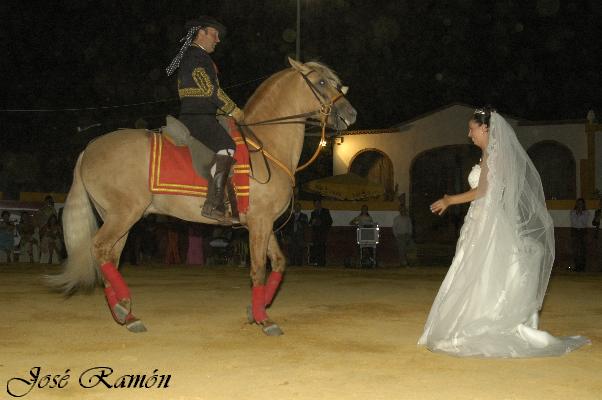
{"x": 229, "y": 105}
{"x": 204, "y": 86}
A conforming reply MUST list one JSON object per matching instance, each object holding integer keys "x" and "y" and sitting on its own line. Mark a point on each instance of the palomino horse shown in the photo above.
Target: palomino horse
{"x": 112, "y": 176}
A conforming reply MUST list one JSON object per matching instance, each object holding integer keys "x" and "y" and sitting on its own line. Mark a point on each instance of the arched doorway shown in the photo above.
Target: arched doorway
{"x": 435, "y": 172}
{"x": 377, "y": 167}
{"x": 556, "y": 166}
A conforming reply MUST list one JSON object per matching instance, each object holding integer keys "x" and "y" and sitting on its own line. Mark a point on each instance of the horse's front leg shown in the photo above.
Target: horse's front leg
{"x": 262, "y": 243}
{"x": 278, "y": 262}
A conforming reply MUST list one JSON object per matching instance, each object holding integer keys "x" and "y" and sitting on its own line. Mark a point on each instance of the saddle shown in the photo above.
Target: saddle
{"x": 180, "y": 165}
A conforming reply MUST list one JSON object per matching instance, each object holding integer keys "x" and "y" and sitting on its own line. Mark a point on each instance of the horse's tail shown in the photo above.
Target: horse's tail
{"x": 79, "y": 226}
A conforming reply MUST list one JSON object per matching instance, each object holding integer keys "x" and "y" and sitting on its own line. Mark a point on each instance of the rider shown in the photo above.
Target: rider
{"x": 201, "y": 98}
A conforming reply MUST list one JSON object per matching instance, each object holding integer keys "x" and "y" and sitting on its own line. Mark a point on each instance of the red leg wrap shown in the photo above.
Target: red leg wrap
{"x": 115, "y": 280}
{"x": 111, "y": 297}
{"x": 258, "y": 304}
{"x": 272, "y": 286}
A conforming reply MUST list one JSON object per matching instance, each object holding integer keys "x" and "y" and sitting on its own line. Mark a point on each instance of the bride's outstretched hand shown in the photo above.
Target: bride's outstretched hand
{"x": 440, "y": 205}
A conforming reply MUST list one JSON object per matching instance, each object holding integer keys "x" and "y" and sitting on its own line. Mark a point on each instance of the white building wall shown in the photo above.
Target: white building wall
{"x": 446, "y": 127}
{"x": 449, "y": 126}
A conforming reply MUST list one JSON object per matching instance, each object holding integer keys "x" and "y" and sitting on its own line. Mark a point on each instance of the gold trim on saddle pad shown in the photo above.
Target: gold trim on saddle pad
{"x": 157, "y": 186}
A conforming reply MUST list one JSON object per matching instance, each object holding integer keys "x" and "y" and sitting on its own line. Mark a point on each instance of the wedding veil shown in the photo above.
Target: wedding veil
{"x": 514, "y": 188}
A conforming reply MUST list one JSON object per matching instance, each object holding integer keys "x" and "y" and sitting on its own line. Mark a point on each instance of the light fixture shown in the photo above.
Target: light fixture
{"x": 323, "y": 142}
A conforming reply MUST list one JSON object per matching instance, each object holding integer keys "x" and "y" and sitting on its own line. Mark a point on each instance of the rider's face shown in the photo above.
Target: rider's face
{"x": 208, "y": 38}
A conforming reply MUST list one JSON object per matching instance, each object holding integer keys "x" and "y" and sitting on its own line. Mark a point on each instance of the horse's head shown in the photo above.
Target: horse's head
{"x": 326, "y": 93}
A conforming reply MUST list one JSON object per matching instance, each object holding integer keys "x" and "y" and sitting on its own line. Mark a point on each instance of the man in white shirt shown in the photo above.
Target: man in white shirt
{"x": 580, "y": 222}
{"x": 402, "y": 229}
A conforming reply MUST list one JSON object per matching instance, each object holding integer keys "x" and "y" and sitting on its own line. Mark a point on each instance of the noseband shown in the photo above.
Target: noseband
{"x": 325, "y": 106}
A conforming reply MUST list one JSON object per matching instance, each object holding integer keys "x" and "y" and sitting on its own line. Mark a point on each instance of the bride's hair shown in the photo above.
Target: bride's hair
{"x": 483, "y": 115}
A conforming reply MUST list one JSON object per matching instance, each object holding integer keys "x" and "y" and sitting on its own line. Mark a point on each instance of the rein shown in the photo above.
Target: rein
{"x": 324, "y": 111}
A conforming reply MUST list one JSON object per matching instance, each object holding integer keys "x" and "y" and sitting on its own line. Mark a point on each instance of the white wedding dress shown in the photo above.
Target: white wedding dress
{"x": 489, "y": 301}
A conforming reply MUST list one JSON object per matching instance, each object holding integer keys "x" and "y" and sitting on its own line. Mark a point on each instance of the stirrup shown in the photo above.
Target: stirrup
{"x": 209, "y": 211}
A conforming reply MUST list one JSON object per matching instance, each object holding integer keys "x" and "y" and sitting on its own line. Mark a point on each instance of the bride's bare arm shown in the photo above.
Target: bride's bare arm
{"x": 441, "y": 205}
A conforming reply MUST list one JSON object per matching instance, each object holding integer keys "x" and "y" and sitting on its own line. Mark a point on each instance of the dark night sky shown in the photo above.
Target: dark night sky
{"x": 532, "y": 59}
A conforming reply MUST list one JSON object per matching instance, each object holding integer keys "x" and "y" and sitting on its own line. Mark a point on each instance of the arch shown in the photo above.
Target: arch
{"x": 377, "y": 167}
{"x": 556, "y": 166}
{"x": 433, "y": 173}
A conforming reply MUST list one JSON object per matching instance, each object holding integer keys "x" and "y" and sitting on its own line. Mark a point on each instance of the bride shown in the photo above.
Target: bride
{"x": 488, "y": 303}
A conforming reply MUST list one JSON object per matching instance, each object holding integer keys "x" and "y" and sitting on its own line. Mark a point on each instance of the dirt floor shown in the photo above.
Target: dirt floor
{"x": 349, "y": 334}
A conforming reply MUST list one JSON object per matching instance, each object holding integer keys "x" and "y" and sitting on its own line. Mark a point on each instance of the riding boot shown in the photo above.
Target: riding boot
{"x": 214, "y": 207}
{"x": 233, "y": 202}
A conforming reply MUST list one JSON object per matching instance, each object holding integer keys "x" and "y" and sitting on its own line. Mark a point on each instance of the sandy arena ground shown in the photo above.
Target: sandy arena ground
{"x": 349, "y": 334}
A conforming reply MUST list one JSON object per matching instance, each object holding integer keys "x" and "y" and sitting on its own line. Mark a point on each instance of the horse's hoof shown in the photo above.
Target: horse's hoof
{"x": 271, "y": 329}
{"x": 135, "y": 325}
{"x": 250, "y": 318}
{"x": 120, "y": 312}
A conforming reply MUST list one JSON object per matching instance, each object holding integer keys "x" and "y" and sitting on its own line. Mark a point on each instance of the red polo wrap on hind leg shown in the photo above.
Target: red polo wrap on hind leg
{"x": 115, "y": 280}
{"x": 271, "y": 286}
{"x": 111, "y": 297}
{"x": 258, "y": 303}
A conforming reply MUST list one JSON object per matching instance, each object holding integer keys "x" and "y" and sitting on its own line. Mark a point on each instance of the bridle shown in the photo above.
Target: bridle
{"x": 326, "y": 108}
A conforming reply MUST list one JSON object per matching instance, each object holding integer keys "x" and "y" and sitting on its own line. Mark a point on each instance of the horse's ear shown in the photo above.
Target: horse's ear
{"x": 297, "y": 65}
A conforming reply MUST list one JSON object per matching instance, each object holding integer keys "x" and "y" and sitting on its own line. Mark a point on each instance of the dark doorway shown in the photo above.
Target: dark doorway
{"x": 435, "y": 172}
{"x": 556, "y": 166}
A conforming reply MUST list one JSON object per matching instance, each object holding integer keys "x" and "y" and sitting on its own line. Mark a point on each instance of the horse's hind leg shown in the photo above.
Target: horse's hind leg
{"x": 108, "y": 244}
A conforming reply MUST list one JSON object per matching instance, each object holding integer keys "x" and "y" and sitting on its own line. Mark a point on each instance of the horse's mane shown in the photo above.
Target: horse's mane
{"x": 272, "y": 83}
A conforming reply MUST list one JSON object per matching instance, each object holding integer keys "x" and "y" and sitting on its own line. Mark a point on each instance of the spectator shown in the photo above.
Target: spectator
{"x": 295, "y": 235}
{"x": 172, "y": 252}
{"x": 402, "y": 230}
{"x": 51, "y": 239}
{"x": 63, "y": 247}
{"x": 194, "y": 255}
{"x": 596, "y": 220}
{"x": 27, "y": 232}
{"x": 7, "y": 236}
{"x": 43, "y": 214}
{"x": 363, "y": 219}
{"x": 320, "y": 223}
{"x": 597, "y": 239}
{"x": 579, "y": 223}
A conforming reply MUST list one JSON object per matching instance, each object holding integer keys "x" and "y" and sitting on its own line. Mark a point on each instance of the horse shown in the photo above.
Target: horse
{"x": 111, "y": 178}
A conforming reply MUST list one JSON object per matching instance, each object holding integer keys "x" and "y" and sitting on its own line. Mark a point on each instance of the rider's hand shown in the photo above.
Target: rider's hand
{"x": 238, "y": 115}
{"x": 440, "y": 205}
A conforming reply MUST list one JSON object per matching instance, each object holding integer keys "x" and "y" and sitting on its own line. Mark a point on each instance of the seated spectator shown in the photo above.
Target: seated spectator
{"x": 51, "y": 241}
{"x": 7, "y": 236}
{"x": 29, "y": 244}
{"x": 363, "y": 219}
